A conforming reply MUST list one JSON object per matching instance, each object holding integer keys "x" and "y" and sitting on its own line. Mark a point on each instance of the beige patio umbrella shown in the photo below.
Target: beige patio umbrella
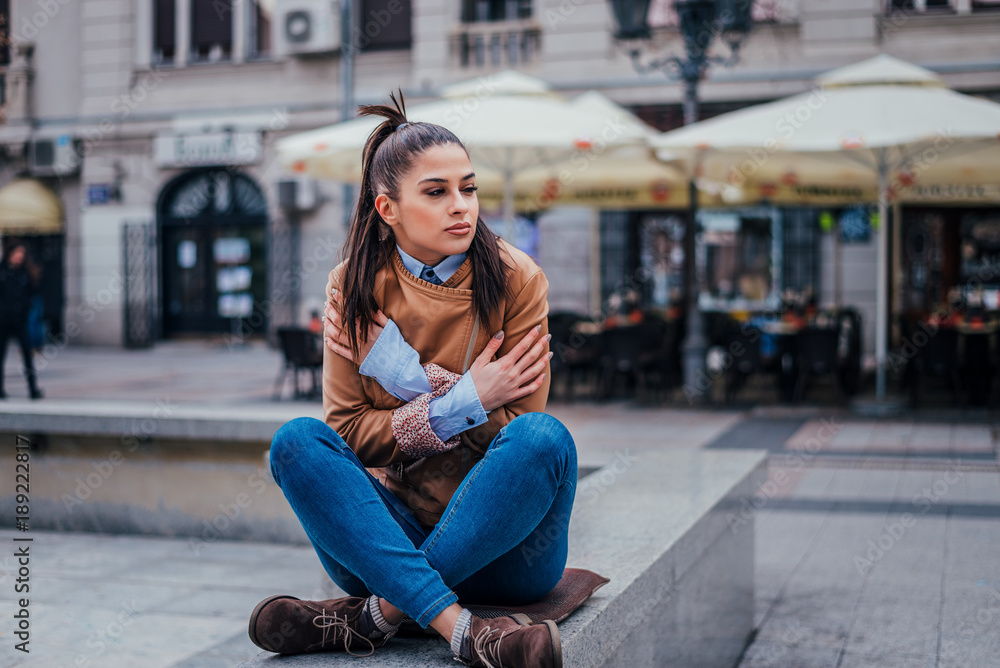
{"x": 516, "y": 129}
{"x": 884, "y": 119}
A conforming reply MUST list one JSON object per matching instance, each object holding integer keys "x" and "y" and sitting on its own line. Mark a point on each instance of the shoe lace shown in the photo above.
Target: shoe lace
{"x": 486, "y": 648}
{"x": 336, "y": 627}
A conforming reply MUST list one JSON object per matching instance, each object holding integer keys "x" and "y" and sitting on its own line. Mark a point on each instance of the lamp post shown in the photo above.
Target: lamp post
{"x": 700, "y": 22}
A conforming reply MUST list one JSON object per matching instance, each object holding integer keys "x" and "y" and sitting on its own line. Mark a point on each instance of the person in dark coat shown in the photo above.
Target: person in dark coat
{"x": 17, "y": 287}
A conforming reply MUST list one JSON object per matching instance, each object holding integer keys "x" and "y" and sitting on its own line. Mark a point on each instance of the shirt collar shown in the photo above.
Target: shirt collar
{"x": 443, "y": 269}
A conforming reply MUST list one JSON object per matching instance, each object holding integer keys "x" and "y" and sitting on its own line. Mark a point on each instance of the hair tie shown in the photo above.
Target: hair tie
{"x": 401, "y": 126}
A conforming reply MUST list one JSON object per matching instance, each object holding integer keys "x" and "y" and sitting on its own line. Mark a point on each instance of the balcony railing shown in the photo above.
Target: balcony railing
{"x": 496, "y": 43}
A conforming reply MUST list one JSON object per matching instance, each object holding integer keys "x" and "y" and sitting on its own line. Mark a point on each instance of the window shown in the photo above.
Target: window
{"x": 739, "y": 257}
{"x": 801, "y": 254}
{"x": 985, "y": 5}
{"x": 384, "y": 25}
{"x": 929, "y": 6}
{"x": 479, "y": 11}
{"x": 164, "y": 31}
{"x": 261, "y": 15}
{"x": 211, "y": 30}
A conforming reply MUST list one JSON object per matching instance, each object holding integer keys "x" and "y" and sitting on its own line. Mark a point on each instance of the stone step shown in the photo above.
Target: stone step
{"x": 672, "y": 531}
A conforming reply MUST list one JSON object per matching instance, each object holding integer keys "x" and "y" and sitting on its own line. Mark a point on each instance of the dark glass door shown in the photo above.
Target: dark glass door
{"x": 213, "y": 229}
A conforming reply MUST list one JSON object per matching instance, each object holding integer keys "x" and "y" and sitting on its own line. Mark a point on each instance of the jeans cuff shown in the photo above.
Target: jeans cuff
{"x": 428, "y": 615}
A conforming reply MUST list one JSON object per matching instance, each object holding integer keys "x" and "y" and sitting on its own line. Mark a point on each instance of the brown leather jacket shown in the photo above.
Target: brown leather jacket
{"x": 439, "y": 323}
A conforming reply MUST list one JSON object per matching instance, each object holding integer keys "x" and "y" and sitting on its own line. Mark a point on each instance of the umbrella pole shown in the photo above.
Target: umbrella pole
{"x": 882, "y": 278}
{"x": 508, "y": 203}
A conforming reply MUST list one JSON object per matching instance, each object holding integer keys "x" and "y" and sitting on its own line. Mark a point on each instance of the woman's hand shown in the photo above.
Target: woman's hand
{"x": 500, "y": 382}
{"x": 336, "y": 338}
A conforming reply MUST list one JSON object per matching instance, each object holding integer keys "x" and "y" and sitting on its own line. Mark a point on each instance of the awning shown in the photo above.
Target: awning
{"x": 27, "y": 207}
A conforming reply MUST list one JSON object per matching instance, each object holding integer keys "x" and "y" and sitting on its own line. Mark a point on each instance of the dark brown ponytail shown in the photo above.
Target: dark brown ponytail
{"x": 388, "y": 155}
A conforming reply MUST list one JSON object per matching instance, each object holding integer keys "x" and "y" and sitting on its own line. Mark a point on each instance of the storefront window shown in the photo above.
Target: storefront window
{"x": 662, "y": 257}
{"x": 739, "y": 259}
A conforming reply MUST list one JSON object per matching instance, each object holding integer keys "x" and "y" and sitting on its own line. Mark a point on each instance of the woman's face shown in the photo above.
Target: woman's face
{"x": 438, "y": 193}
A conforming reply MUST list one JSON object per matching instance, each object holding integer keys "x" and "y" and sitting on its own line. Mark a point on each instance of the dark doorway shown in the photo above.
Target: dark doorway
{"x": 213, "y": 225}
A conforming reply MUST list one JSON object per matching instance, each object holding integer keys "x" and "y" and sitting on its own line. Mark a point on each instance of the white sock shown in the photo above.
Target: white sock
{"x": 461, "y": 631}
{"x": 376, "y": 612}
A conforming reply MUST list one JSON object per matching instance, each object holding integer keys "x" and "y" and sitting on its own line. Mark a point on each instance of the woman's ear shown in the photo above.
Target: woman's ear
{"x": 386, "y": 208}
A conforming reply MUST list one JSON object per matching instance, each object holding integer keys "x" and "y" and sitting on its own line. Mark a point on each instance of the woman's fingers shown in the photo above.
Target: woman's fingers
{"x": 491, "y": 347}
{"x": 343, "y": 351}
{"x": 536, "y": 368}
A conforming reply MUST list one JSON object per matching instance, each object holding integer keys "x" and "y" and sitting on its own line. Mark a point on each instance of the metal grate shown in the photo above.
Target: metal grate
{"x": 139, "y": 284}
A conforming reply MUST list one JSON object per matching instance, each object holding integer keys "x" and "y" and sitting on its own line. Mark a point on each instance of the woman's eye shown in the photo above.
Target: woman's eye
{"x": 472, "y": 189}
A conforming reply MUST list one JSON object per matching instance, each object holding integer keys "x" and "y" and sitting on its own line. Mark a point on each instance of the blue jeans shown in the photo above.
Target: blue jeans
{"x": 502, "y": 537}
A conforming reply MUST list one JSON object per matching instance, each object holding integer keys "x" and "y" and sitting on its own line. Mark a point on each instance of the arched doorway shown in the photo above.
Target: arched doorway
{"x": 212, "y": 227}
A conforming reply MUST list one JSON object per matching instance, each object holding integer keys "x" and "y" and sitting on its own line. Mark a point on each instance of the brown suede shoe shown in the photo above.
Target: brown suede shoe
{"x": 507, "y": 643}
{"x": 287, "y": 625}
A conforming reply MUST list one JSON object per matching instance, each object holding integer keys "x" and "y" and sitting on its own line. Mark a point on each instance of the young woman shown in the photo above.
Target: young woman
{"x": 435, "y": 478}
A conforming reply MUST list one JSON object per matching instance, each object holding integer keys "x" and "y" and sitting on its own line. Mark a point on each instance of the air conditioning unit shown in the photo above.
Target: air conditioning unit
{"x": 298, "y": 194}
{"x": 58, "y": 156}
{"x": 305, "y": 27}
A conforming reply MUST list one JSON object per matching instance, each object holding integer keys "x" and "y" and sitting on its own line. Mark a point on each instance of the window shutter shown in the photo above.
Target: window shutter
{"x": 396, "y": 31}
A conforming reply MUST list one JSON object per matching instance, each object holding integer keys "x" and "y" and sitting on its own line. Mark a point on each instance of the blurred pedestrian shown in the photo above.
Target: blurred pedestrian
{"x": 18, "y": 284}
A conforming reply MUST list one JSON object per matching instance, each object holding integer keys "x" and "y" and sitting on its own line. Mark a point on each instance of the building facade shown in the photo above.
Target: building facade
{"x": 154, "y": 123}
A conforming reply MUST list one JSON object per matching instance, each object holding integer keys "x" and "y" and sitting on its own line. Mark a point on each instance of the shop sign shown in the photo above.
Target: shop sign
{"x": 984, "y": 192}
{"x": 100, "y": 193}
{"x": 213, "y": 148}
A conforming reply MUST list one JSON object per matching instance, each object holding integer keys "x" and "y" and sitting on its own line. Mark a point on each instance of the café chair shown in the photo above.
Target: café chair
{"x": 938, "y": 358}
{"x": 302, "y": 353}
{"x": 575, "y": 356}
{"x": 743, "y": 344}
{"x": 817, "y": 356}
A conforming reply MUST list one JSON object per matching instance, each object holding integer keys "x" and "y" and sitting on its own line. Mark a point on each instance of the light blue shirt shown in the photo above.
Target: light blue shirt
{"x": 396, "y": 366}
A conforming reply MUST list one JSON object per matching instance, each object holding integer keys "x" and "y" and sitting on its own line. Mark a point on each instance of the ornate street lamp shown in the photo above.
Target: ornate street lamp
{"x": 700, "y": 22}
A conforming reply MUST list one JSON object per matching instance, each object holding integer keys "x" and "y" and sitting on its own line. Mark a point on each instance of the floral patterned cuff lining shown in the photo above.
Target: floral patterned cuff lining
{"x": 411, "y": 425}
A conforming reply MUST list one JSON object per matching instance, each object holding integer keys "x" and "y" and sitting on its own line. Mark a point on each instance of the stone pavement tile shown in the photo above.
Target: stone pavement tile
{"x": 977, "y": 436}
{"x": 895, "y": 624}
{"x": 973, "y": 544}
{"x": 806, "y": 482}
{"x": 770, "y": 653}
{"x": 888, "y": 434}
{"x": 780, "y": 544}
{"x": 228, "y": 653}
{"x": 937, "y": 436}
{"x": 852, "y": 433}
{"x": 854, "y": 660}
{"x": 810, "y": 622}
{"x": 103, "y": 592}
{"x": 975, "y": 487}
{"x": 35, "y": 659}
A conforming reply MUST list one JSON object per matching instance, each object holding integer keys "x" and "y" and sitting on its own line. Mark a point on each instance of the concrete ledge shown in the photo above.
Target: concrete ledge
{"x": 665, "y": 527}
{"x": 163, "y": 418}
